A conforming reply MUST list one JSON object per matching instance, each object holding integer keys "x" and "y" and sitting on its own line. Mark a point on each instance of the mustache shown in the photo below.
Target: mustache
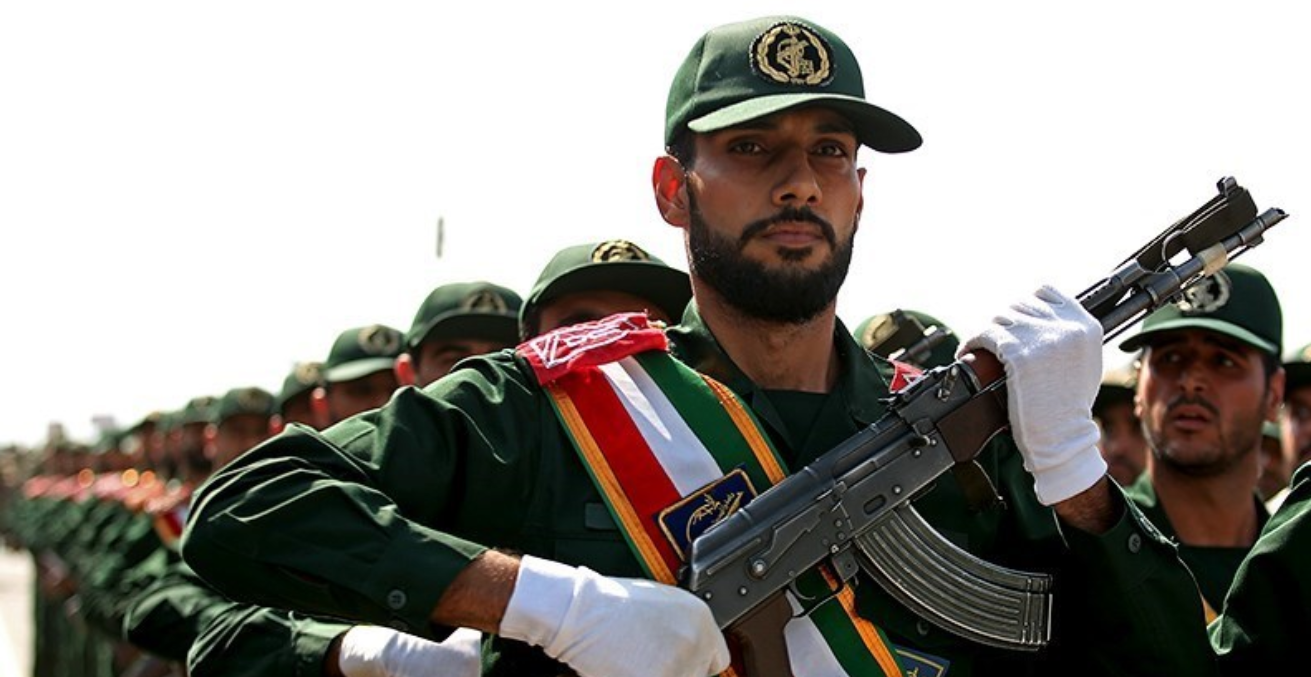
{"x": 790, "y": 214}
{"x": 1196, "y": 400}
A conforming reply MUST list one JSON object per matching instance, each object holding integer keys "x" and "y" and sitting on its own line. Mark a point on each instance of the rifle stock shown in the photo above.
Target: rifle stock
{"x": 850, "y": 508}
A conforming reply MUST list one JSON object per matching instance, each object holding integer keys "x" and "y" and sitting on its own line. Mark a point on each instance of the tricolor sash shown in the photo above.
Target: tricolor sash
{"x": 673, "y": 452}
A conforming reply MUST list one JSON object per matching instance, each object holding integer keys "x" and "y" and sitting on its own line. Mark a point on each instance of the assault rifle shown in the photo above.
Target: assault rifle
{"x": 851, "y": 508}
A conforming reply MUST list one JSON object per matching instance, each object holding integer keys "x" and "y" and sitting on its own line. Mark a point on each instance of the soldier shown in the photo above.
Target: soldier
{"x": 395, "y": 517}
{"x": 1122, "y": 442}
{"x": 1209, "y": 378}
{"x": 359, "y": 373}
{"x": 1276, "y": 468}
{"x": 1295, "y": 419}
{"x": 590, "y": 281}
{"x": 456, "y": 321}
{"x": 296, "y": 403}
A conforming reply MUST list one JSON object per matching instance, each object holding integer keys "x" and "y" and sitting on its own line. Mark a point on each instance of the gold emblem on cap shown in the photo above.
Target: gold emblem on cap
{"x": 379, "y": 340}
{"x": 792, "y": 54}
{"x": 618, "y": 250}
{"x": 1207, "y": 295}
{"x": 484, "y": 301}
{"x": 251, "y": 399}
{"x": 878, "y": 330}
{"x": 307, "y": 373}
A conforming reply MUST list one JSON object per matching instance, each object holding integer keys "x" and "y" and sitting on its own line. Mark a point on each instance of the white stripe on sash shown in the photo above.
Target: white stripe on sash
{"x": 690, "y": 466}
{"x": 678, "y": 450}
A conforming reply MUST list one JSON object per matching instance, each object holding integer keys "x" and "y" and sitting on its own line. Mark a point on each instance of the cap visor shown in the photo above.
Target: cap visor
{"x": 877, "y": 128}
{"x": 358, "y": 369}
{"x": 1148, "y": 337}
{"x": 481, "y": 326}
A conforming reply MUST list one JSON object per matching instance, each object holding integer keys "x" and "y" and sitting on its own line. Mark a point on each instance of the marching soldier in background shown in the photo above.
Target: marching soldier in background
{"x": 1276, "y": 468}
{"x": 1122, "y": 442}
{"x": 296, "y": 403}
{"x": 392, "y": 517}
{"x": 1210, "y": 377}
{"x": 590, "y": 281}
{"x": 360, "y": 372}
{"x": 1295, "y": 421}
{"x": 456, "y": 321}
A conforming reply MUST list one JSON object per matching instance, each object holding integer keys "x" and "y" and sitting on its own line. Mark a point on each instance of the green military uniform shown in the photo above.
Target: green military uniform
{"x": 177, "y": 616}
{"x": 1212, "y": 566}
{"x": 405, "y": 497}
{"x": 1267, "y": 615}
{"x": 1237, "y": 302}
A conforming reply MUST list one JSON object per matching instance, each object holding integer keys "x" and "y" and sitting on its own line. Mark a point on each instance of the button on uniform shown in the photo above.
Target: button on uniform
{"x": 396, "y": 600}
{"x": 1135, "y": 543}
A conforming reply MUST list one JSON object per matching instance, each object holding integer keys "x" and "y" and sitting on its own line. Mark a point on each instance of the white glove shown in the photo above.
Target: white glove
{"x": 372, "y": 651}
{"x": 613, "y": 627}
{"x": 1052, "y": 350}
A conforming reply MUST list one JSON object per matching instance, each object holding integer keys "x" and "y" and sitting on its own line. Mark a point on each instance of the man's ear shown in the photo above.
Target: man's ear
{"x": 210, "y": 437}
{"x": 319, "y": 408}
{"x": 404, "y": 369}
{"x": 669, "y": 181}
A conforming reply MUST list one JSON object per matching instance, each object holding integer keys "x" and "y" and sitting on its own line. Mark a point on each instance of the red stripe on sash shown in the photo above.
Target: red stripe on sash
{"x": 644, "y": 482}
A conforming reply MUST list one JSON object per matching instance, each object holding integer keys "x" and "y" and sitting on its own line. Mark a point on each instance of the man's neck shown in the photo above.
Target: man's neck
{"x": 775, "y": 356}
{"x": 1217, "y": 511}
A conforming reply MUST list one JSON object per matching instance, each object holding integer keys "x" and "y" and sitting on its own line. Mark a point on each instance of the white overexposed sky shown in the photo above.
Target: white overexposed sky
{"x": 193, "y": 196}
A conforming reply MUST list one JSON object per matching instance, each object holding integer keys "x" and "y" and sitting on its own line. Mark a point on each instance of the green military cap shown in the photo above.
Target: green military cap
{"x": 480, "y": 310}
{"x": 151, "y": 419}
{"x": 1118, "y": 386}
{"x": 1236, "y": 301}
{"x": 361, "y": 351}
{"x": 748, "y": 70}
{"x": 1298, "y": 368}
{"x": 198, "y": 410}
{"x": 887, "y": 333}
{"x": 304, "y": 376}
{"x": 246, "y": 400}
{"x": 613, "y": 265}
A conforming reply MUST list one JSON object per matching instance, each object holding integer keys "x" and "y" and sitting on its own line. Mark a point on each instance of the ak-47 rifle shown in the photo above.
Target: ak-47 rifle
{"x": 851, "y": 508}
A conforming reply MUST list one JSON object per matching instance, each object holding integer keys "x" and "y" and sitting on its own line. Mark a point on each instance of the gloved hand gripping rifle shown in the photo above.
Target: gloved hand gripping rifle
{"x": 851, "y": 508}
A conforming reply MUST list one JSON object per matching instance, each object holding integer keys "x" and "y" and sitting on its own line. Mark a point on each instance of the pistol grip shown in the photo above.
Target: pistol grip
{"x": 759, "y": 634}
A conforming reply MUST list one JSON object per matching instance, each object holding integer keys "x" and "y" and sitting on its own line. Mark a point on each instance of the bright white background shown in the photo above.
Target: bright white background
{"x": 195, "y": 195}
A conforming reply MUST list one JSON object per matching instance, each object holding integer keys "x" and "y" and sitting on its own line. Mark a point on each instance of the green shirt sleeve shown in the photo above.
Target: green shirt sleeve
{"x": 375, "y": 501}
{"x": 251, "y": 641}
{"x": 1267, "y": 613}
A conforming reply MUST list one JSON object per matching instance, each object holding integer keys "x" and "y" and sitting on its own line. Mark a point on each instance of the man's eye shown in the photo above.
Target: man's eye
{"x": 832, "y": 150}
{"x": 747, "y": 148}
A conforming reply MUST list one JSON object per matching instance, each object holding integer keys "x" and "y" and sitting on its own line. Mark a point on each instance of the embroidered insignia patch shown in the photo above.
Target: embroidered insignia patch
{"x": 683, "y": 521}
{"x": 920, "y": 664}
{"x": 791, "y": 54}
{"x": 1206, "y": 296}
{"x": 603, "y": 341}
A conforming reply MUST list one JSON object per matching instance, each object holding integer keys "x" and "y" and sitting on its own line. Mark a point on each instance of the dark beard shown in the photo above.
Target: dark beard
{"x": 788, "y": 296}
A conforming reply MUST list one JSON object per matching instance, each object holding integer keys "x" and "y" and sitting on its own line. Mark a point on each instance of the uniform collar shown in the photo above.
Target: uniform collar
{"x": 861, "y": 384}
